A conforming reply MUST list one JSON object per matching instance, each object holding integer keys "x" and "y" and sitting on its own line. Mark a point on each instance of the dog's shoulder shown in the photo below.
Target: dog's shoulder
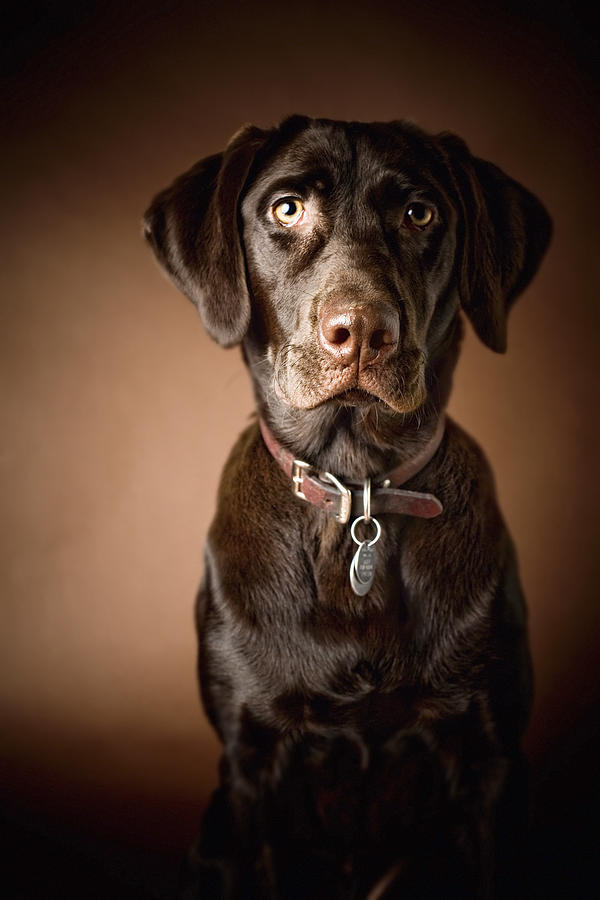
{"x": 464, "y": 476}
{"x": 250, "y": 476}
{"x": 466, "y": 545}
{"x": 241, "y": 465}
{"x": 254, "y": 500}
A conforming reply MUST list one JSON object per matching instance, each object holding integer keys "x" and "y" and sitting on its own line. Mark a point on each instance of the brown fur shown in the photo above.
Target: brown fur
{"x": 371, "y": 744}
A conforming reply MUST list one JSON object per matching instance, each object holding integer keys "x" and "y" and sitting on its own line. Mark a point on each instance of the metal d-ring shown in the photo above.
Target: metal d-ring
{"x": 364, "y": 519}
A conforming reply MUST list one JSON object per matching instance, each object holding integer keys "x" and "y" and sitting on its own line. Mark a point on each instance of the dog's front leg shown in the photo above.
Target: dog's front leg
{"x": 440, "y": 804}
{"x": 232, "y": 858}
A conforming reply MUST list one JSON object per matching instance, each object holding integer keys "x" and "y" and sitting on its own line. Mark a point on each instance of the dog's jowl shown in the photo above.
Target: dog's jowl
{"x": 363, "y": 641}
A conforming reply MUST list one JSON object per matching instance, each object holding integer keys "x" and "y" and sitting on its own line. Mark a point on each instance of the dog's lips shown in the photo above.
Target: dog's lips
{"x": 305, "y": 382}
{"x": 356, "y": 397}
{"x": 370, "y": 387}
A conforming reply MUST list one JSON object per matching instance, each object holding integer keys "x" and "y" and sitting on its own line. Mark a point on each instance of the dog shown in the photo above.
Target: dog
{"x": 363, "y": 649}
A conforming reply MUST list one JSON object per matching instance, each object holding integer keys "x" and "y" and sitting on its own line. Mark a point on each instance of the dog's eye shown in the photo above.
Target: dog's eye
{"x": 418, "y": 215}
{"x": 288, "y": 212}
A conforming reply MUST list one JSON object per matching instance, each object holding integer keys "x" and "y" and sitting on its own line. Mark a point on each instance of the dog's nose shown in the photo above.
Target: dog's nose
{"x": 369, "y": 331}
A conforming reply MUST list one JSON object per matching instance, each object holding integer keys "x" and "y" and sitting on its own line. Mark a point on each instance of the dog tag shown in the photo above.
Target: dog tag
{"x": 362, "y": 568}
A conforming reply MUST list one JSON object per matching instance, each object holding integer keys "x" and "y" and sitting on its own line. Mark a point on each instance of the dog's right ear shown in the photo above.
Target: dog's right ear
{"x": 193, "y": 227}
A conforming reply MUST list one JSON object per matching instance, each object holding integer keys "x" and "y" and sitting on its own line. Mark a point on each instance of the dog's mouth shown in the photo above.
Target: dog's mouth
{"x": 356, "y": 397}
{"x": 305, "y": 381}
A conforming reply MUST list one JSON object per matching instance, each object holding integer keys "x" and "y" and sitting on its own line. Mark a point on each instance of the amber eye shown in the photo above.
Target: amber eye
{"x": 288, "y": 212}
{"x": 419, "y": 215}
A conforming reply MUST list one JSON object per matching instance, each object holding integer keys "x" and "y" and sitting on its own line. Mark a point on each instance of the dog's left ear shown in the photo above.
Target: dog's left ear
{"x": 503, "y": 234}
{"x": 193, "y": 228}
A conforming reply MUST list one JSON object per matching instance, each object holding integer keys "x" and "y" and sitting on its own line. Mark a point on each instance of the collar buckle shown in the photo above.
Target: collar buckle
{"x": 342, "y": 514}
{"x": 299, "y": 469}
{"x": 341, "y": 509}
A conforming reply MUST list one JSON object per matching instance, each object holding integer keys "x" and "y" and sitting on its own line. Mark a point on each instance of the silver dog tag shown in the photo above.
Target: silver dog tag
{"x": 362, "y": 568}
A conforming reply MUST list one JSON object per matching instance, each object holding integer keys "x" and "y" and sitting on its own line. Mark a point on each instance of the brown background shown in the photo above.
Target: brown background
{"x": 118, "y": 411}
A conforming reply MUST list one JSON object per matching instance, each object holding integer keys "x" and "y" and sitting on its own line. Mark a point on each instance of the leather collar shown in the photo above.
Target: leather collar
{"x": 326, "y": 492}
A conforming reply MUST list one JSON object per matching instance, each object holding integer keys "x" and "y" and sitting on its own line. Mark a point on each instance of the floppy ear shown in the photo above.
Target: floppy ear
{"x": 193, "y": 227}
{"x": 503, "y": 234}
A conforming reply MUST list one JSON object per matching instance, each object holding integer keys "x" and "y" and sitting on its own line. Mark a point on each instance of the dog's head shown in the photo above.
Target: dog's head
{"x": 340, "y": 253}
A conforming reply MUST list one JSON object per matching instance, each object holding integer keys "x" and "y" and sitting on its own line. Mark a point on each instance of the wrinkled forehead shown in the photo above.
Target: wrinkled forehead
{"x": 352, "y": 157}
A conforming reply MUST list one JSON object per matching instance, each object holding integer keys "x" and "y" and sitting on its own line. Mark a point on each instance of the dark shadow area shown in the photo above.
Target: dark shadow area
{"x": 117, "y": 846}
{"x": 126, "y": 848}
{"x": 47, "y": 859}
{"x": 564, "y": 843}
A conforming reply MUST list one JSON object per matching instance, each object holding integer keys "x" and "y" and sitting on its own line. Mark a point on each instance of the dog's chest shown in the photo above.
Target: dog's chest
{"x": 312, "y": 670}
{"x": 299, "y": 644}
{"x": 368, "y": 697}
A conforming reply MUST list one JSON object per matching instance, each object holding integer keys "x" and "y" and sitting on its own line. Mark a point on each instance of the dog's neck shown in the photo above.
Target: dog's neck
{"x": 325, "y": 491}
{"x": 356, "y": 443}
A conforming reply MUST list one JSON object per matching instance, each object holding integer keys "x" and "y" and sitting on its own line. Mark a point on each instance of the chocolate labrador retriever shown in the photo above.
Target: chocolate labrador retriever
{"x": 363, "y": 639}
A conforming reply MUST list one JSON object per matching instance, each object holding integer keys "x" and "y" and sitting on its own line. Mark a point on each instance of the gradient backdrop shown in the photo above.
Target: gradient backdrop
{"x": 118, "y": 411}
